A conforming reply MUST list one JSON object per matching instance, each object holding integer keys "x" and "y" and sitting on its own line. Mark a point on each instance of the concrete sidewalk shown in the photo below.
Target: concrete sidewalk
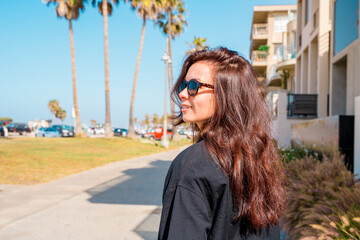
{"x": 120, "y": 200}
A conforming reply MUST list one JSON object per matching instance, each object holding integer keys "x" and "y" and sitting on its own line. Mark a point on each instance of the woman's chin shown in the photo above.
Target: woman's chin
{"x": 187, "y": 119}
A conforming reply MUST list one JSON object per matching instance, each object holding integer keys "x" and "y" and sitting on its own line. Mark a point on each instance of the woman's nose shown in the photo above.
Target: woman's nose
{"x": 184, "y": 94}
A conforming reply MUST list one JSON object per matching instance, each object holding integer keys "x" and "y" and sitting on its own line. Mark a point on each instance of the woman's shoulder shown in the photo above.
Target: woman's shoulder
{"x": 195, "y": 168}
{"x": 195, "y": 158}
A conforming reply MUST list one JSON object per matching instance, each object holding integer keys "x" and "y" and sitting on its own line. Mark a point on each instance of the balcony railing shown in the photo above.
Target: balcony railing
{"x": 260, "y": 30}
{"x": 259, "y": 56}
{"x": 285, "y": 53}
{"x": 302, "y": 106}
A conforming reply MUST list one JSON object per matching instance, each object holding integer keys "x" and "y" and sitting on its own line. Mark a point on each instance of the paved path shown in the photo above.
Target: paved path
{"x": 120, "y": 200}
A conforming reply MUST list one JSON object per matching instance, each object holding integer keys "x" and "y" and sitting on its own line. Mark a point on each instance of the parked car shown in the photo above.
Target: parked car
{"x": 40, "y": 132}
{"x": 188, "y": 133}
{"x": 20, "y": 128}
{"x": 52, "y": 132}
{"x": 144, "y": 132}
{"x": 99, "y": 130}
{"x": 141, "y": 132}
{"x": 122, "y": 132}
{"x": 66, "y": 131}
{"x": 3, "y": 128}
{"x": 89, "y": 130}
{"x": 2, "y": 131}
{"x": 157, "y": 133}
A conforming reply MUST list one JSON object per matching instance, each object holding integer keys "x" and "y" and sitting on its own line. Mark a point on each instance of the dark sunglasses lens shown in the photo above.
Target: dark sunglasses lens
{"x": 182, "y": 86}
{"x": 192, "y": 88}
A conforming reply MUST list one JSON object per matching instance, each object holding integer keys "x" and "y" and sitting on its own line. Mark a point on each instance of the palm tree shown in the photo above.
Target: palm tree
{"x": 172, "y": 24}
{"x": 105, "y": 9}
{"x": 146, "y": 9}
{"x": 70, "y": 9}
{"x": 54, "y": 107}
{"x": 61, "y": 114}
{"x": 197, "y": 45}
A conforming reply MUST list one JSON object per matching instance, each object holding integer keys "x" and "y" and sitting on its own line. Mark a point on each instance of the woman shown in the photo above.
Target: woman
{"x": 229, "y": 184}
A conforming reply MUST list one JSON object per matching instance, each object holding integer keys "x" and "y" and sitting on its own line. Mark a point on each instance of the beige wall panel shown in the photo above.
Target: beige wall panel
{"x": 298, "y": 75}
{"x": 313, "y": 67}
{"x": 350, "y": 83}
{"x": 304, "y": 72}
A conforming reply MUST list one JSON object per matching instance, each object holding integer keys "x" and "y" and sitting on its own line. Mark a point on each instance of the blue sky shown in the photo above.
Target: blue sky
{"x": 35, "y": 61}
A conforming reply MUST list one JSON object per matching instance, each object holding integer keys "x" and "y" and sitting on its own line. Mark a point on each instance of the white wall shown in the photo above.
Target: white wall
{"x": 282, "y": 125}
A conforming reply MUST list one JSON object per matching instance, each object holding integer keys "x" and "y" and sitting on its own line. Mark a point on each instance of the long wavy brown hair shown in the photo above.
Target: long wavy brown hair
{"x": 239, "y": 136}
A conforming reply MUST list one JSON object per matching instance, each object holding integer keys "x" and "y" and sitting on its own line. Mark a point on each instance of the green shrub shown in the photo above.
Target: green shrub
{"x": 319, "y": 194}
{"x": 264, "y": 48}
{"x": 290, "y": 154}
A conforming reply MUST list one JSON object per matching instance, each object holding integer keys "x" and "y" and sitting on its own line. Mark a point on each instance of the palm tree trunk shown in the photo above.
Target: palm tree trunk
{"x": 175, "y": 135}
{"x": 108, "y": 132}
{"x": 77, "y": 129}
{"x": 131, "y": 118}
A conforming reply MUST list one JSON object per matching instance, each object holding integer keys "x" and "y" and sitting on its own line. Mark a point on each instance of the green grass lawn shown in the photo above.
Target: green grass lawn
{"x": 38, "y": 160}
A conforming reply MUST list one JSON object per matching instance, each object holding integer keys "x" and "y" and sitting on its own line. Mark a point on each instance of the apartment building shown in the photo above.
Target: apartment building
{"x": 344, "y": 86}
{"x": 313, "y": 52}
{"x": 275, "y": 27}
{"x": 328, "y": 76}
{"x": 268, "y": 40}
{"x": 303, "y": 71}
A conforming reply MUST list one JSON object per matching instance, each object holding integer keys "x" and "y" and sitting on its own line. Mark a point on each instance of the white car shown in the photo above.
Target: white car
{"x": 99, "y": 131}
{"x": 52, "y": 132}
{"x": 40, "y": 132}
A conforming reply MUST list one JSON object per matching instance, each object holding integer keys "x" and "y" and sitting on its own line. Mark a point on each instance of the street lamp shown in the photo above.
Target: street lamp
{"x": 164, "y": 139}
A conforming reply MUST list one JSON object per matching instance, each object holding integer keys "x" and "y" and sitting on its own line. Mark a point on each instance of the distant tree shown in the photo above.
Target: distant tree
{"x": 147, "y": 121}
{"x": 70, "y": 9}
{"x": 148, "y": 117}
{"x": 61, "y": 114}
{"x": 161, "y": 120}
{"x": 197, "y": 45}
{"x": 155, "y": 119}
{"x": 56, "y": 110}
{"x": 6, "y": 119}
{"x": 284, "y": 75}
{"x": 105, "y": 9}
{"x": 146, "y": 9}
{"x": 54, "y": 106}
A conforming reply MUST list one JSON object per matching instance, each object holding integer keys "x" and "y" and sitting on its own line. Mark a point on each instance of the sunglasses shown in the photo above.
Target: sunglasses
{"x": 192, "y": 86}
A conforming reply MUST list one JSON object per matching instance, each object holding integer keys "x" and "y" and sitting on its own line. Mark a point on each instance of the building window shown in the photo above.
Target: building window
{"x": 346, "y": 23}
{"x": 280, "y": 23}
{"x": 307, "y": 11}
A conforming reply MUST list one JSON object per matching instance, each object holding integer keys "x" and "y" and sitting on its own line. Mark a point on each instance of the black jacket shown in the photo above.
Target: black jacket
{"x": 197, "y": 202}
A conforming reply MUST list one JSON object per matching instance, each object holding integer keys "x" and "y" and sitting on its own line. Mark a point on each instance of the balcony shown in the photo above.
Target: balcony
{"x": 302, "y": 105}
{"x": 260, "y": 31}
{"x": 286, "y": 57}
{"x": 286, "y": 52}
{"x": 259, "y": 58}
